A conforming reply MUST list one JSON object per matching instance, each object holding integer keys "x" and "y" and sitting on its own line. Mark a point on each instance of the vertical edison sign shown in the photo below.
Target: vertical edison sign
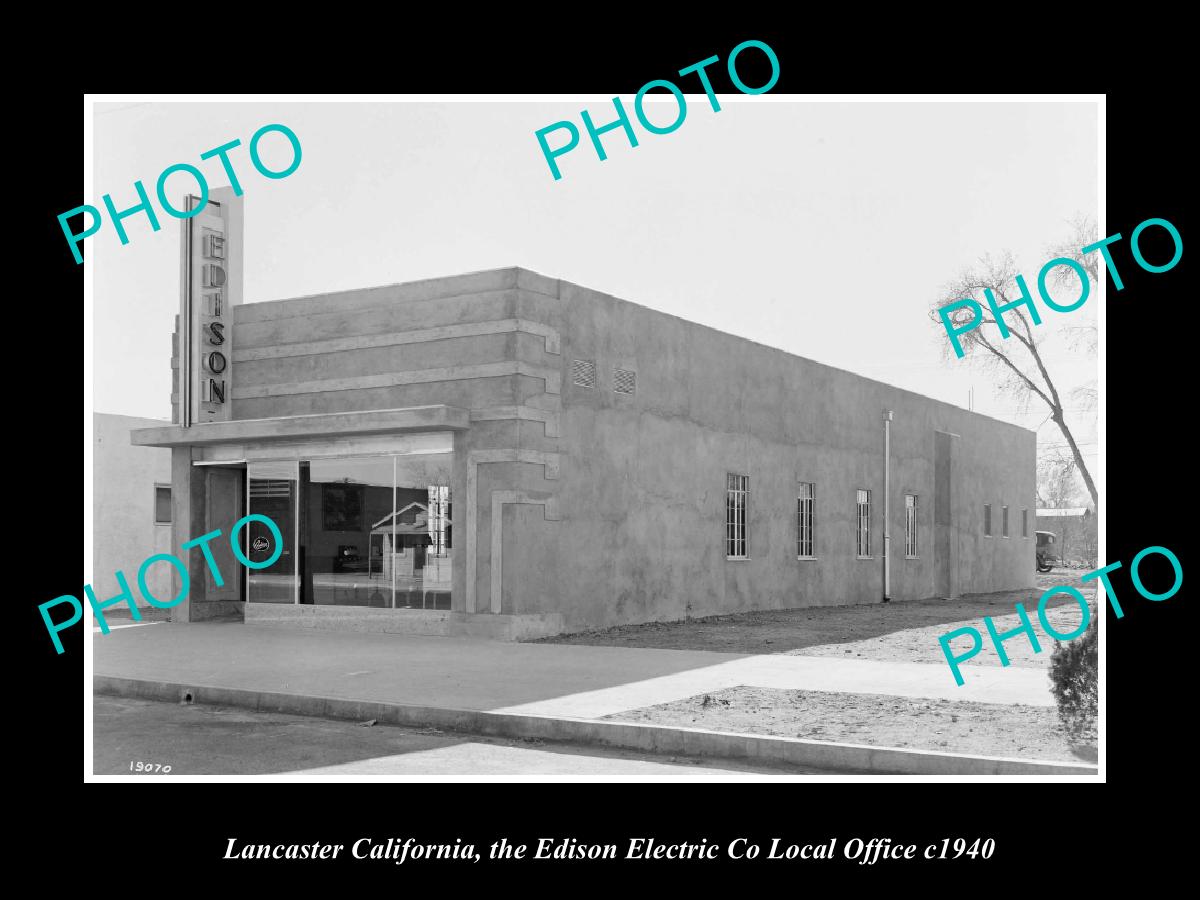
{"x": 211, "y": 287}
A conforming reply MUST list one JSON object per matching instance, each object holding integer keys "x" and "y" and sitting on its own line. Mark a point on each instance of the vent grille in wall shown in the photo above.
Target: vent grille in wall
{"x": 624, "y": 381}
{"x": 583, "y": 373}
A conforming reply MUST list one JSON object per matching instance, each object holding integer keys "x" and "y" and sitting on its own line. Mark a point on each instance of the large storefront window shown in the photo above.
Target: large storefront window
{"x": 373, "y": 531}
{"x": 342, "y": 565}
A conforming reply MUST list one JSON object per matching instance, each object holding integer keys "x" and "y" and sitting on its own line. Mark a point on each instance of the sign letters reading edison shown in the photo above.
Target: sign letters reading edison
{"x": 211, "y": 287}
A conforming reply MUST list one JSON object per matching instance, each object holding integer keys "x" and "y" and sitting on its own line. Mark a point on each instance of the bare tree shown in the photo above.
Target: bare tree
{"x": 1057, "y": 480}
{"x": 1017, "y": 362}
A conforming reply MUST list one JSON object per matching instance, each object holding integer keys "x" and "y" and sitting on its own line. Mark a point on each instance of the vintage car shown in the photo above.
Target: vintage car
{"x": 348, "y": 561}
{"x": 1047, "y": 556}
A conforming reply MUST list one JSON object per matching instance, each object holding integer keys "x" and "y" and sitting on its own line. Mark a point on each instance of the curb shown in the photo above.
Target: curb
{"x": 626, "y": 735}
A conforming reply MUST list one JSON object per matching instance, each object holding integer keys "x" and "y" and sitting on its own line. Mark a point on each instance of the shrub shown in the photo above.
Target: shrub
{"x": 1073, "y": 682}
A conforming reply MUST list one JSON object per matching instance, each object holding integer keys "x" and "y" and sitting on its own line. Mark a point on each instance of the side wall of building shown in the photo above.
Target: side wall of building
{"x": 643, "y": 477}
{"x": 124, "y": 532}
{"x": 610, "y": 508}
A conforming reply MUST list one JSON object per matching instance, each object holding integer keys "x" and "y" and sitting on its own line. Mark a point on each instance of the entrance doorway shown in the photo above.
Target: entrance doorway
{"x": 224, "y": 504}
{"x": 272, "y": 490}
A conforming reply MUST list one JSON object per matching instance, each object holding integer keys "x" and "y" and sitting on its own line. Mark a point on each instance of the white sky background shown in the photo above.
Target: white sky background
{"x": 824, "y": 229}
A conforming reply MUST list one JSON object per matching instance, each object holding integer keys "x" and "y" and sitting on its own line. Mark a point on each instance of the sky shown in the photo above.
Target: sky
{"x": 824, "y": 229}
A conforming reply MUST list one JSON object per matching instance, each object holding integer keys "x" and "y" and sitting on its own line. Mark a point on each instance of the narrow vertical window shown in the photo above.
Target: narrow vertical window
{"x": 1004, "y": 520}
{"x": 1024, "y": 523}
{"x": 864, "y": 524}
{"x": 805, "y": 515}
{"x": 910, "y": 526}
{"x": 987, "y": 519}
{"x": 737, "y": 492}
{"x": 162, "y": 504}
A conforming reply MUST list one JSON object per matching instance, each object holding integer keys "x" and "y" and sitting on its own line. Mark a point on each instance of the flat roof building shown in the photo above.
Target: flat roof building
{"x": 506, "y": 454}
{"x": 131, "y": 496}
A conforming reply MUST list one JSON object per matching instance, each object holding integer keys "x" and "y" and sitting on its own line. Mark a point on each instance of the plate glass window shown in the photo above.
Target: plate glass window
{"x": 737, "y": 493}
{"x": 378, "y": 532}
{"x": 372, "y": 530}
{"x": 805, "y": 515}
{"x": 864, "y": 524}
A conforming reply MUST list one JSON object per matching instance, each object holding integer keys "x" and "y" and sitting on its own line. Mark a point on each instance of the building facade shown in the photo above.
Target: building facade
{"x": 506, "y": 454}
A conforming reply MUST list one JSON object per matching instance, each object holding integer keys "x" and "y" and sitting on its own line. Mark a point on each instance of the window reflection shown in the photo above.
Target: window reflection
{"x": 376, "y": 531}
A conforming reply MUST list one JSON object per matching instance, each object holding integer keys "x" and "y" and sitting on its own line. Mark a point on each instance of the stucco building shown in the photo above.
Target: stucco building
{"x": 131, "y": 505}
{"x": 506, "y": 454}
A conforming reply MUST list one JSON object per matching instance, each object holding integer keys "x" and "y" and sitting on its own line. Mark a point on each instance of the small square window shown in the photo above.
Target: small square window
{"x": 162, "y": 504}
{"x": 624, "y": 381}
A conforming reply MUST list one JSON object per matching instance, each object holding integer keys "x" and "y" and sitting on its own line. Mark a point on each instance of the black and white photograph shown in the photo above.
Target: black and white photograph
{"x": 702, "y": 434}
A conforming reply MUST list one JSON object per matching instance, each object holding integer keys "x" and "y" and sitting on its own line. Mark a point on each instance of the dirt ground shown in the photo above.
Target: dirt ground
{"x": 987, "y": 729}
{"x": 896, "y": 632}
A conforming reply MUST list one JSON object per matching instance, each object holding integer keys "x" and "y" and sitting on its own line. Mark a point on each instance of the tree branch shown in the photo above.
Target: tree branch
{"x": 1020, "y": 375}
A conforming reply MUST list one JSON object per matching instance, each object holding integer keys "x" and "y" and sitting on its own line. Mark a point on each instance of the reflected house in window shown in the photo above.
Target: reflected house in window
{"x": 403, "y": 544}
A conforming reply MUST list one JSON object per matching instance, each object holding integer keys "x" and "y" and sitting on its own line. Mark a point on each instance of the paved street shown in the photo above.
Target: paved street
{"x": 212, "y": 740}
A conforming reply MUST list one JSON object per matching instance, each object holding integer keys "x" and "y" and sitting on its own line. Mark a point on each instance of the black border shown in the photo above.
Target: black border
{"x": 1146, "y": 501}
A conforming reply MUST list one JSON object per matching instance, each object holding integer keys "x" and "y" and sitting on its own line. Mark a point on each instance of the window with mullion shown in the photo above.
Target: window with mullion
{"x": 910, "y": 525}
{"x": 864, "y": 523}
{"x": 737, "y": 492}
{"x": 805, "y": 520}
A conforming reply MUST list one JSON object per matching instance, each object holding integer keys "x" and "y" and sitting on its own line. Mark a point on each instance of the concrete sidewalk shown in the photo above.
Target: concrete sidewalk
{"x": 458, "y": 673}
{"x": 993, "y": 684}
{"x": 557, "y": 692}
{"x": 537, "y": 679}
